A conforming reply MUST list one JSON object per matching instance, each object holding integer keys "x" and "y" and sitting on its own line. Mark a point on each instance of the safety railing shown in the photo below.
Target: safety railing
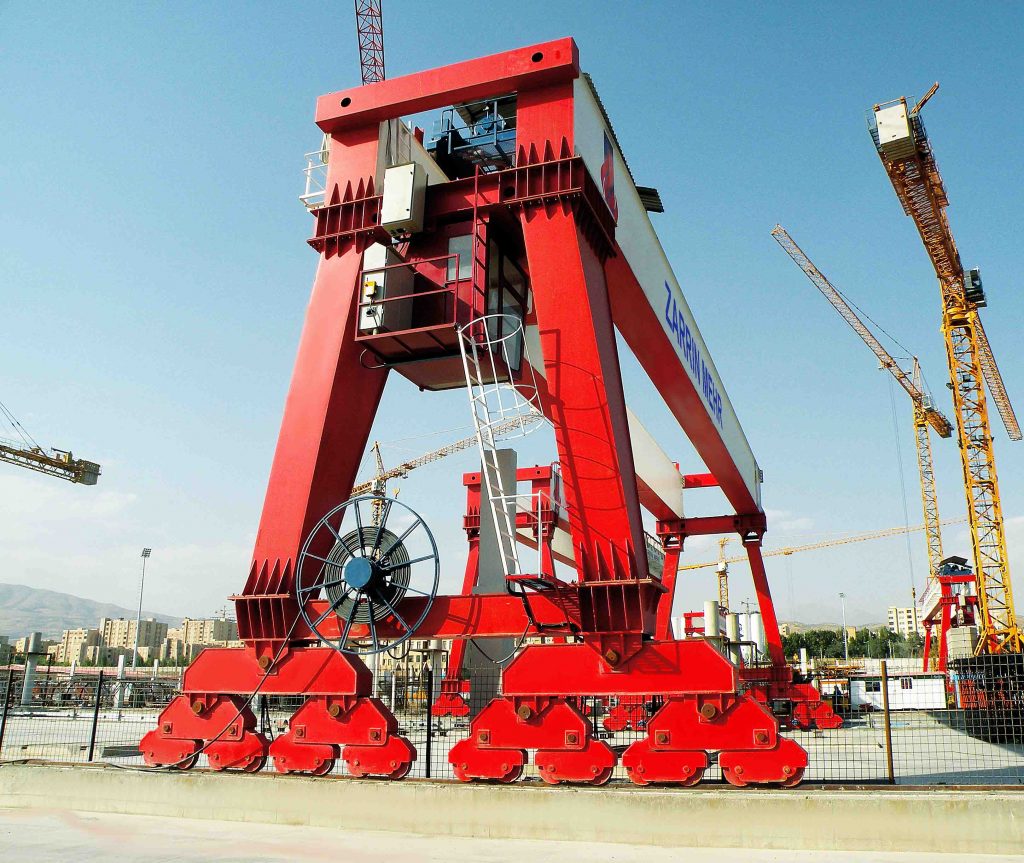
{"x": 424, "y": 282}
{"x": 886, "y": 744}
{"x": 315, "y": 173}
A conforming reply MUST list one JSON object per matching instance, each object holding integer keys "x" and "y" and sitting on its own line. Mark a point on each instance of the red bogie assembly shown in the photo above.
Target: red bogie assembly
{"x": 502, "y": 256}
{"x": 803, "y": 706}
{"x": 451, "y": 700}
{"x": 629, "y": 713}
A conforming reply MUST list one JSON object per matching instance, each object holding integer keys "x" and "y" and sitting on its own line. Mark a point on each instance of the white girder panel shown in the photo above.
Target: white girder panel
{"x": 657, "y": 471}
{"x": 639, "y": 243}
{"x": 651, "y": 463}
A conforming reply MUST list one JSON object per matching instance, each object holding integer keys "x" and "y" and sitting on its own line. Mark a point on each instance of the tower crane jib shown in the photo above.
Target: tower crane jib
{"x": 925, "y": 413}
{"x": 814, "y": 546}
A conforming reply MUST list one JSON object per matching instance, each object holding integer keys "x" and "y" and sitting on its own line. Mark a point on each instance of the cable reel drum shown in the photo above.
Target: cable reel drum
{"x": 366, "y": 558}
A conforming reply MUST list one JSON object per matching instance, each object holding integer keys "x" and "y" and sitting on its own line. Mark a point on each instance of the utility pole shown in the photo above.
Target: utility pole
{"x": 846, "y": 634}
{"x": 146, "y": 552}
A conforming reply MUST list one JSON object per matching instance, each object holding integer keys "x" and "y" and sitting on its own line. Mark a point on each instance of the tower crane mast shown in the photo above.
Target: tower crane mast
{"x": 722, "y": 571}
{"x": 925, "y": 413}
{"x": 370, "y": 30}
{"x": 906, "y": 154}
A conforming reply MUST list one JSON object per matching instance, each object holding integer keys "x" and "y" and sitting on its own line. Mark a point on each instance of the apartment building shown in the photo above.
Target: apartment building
{"x": 74, "y": 644}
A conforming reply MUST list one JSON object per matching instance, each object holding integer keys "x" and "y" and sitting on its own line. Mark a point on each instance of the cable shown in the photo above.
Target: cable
{"x": 878, "y": 325}
{"x": 903, "y": 488}
{"x": 19, "y": 429}
{"x": 515, "y": 649}
{"x": 223, "y": 731}
{"x": 402, "y": 654}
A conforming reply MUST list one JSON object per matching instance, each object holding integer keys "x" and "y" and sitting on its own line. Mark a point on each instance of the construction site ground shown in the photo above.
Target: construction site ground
{"x": 70, "y": 837}
{"x": 860, "y": 821}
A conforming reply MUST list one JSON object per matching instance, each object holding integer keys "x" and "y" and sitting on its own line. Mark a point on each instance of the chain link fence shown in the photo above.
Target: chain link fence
{"x": 965, "y": 728}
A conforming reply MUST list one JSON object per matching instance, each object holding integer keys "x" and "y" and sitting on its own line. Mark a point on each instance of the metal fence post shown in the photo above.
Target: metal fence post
{"x": 95, "y": 715}
{"x": 891, "y": 774}
{"x": 7, "y": 707}
{"x": 430, "y": 703}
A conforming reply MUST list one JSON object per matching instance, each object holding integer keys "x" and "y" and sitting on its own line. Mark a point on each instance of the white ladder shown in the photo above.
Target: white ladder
{"x": 491, "y": 345}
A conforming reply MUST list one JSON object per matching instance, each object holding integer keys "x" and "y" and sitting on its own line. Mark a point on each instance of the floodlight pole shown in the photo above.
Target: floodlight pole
{"x": 846, "y": 634}
{"x": 146, "y": 552}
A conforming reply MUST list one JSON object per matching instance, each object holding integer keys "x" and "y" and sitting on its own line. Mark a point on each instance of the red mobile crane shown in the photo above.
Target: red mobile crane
{"x": 500, "y": 256}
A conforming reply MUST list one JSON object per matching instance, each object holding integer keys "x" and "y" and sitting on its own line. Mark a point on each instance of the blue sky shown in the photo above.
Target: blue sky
{"x": 154, "y": 270}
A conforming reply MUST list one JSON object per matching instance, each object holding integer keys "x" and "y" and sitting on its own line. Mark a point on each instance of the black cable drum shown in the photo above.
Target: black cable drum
{"x": 389, "y": 552}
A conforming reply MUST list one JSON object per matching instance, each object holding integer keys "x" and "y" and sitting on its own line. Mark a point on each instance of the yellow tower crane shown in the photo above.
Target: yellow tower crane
{"x": 906, "y": 154}
{"x": 54, "y": 462}
{"x": 925, "y": 413}
{"x": 378, "y": 485}
{"x": 813, "y": 546}
{"x": 723, "y": 574}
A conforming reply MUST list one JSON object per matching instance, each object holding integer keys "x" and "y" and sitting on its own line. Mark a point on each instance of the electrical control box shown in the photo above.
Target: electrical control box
{"x": 405, "y": 192}
{"x": 385, "y": 292}
{"x": 895, "y": 137}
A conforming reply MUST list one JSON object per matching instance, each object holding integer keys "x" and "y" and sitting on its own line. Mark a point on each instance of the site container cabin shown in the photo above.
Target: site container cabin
{"x": 906, "y": 692}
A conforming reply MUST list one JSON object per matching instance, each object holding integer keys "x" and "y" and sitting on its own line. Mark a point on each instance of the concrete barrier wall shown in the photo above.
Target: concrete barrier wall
{"x": 940, "y": 820}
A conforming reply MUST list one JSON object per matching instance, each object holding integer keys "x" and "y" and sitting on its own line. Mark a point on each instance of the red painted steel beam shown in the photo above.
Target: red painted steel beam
{"x": 713, "y": 524}
{"x": 669, "y": 578}
{"x": 649, "y": 499}
{"x": 312, "y": 671}
{"x": 699, "y": 480}
{"x": 471, "y": 80}
{"x": 490, "y": 615}
{"x": 638, "y": 323}
{"x": 765, "y": 604}
{"x": 330, "y": 406}
{"x": 585, "y": 397}
{"x": 661, "y": 667}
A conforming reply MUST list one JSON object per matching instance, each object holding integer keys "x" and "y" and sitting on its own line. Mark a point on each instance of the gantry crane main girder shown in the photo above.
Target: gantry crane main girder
{"x": 906, "y": 154}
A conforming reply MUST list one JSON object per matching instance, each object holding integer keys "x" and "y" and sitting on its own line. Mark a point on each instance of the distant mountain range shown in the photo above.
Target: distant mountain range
{"x": 26, "y": 609}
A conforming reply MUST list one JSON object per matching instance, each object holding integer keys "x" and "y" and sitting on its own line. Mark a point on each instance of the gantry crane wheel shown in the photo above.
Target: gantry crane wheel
{"x": 366, "y": 570}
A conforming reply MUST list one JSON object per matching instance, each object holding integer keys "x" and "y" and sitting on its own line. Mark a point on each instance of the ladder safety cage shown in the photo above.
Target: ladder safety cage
{"x": 494, "y": 353}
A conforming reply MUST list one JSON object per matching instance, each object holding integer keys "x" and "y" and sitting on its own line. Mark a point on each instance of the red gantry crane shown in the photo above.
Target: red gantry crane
{"x": 906, "y": 154}
{"x": 499, "y": 256}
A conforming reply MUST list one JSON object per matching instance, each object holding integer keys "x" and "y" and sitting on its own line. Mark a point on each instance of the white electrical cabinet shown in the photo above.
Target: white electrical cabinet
{"x": 381, "y": 282}
{"x": 405, "y": 192}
